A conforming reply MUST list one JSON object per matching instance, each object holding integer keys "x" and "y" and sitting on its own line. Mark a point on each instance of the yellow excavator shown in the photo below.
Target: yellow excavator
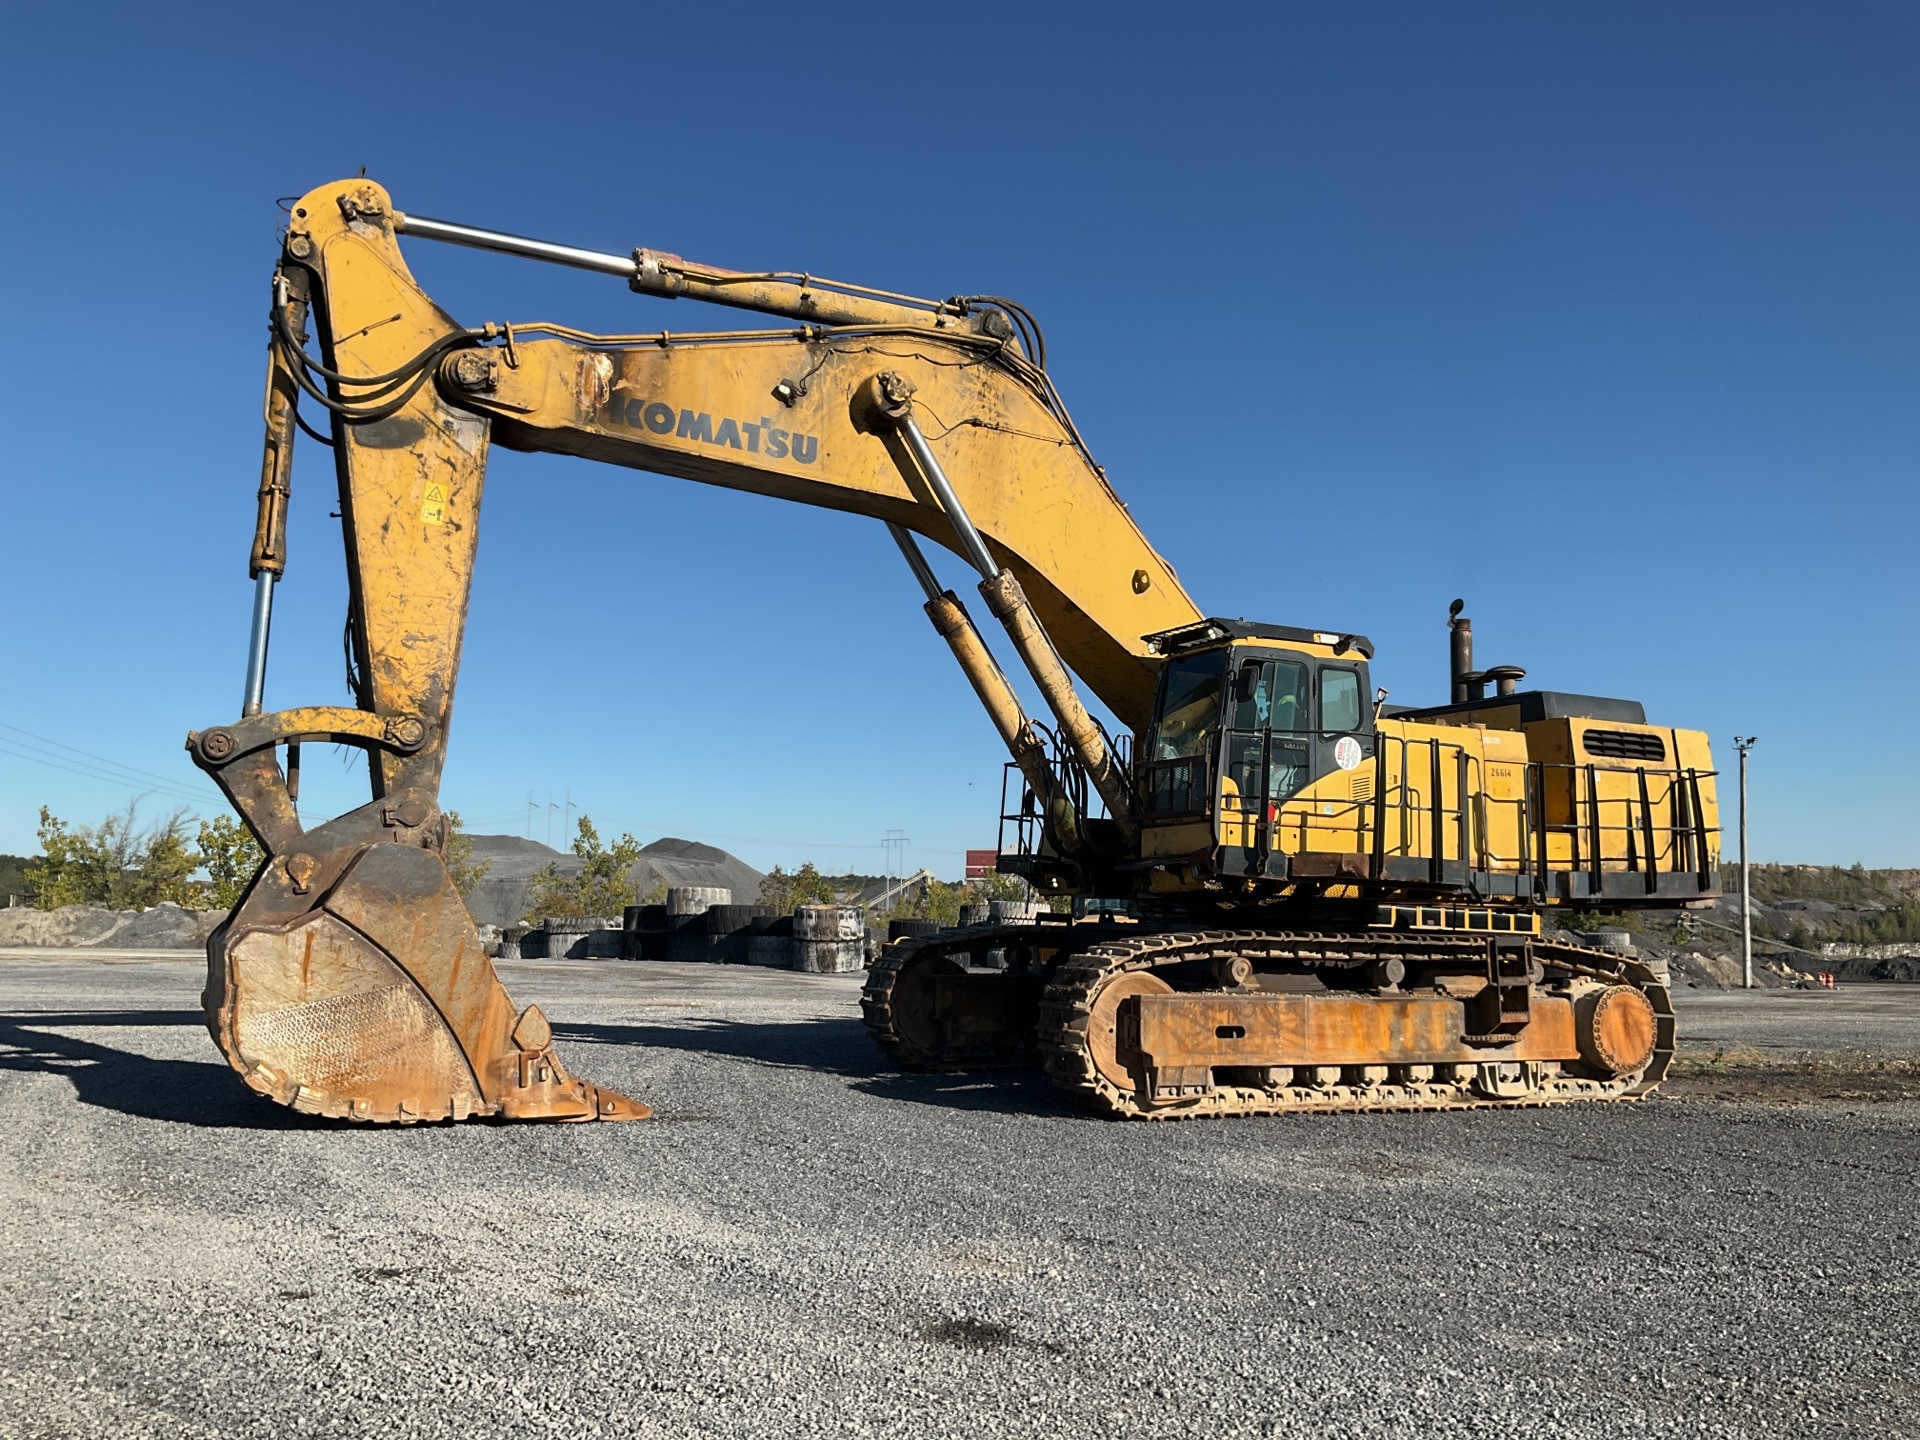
{"x": 1288, "y": 896}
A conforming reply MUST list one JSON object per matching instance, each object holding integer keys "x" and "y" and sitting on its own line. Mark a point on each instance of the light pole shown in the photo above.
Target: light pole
{"x": 1744, "y": 743}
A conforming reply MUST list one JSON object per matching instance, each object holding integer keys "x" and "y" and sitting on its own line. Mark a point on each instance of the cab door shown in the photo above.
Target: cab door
{"x": 1268, "y": 749}
{"x": 1343, "y": 736}
{"x": 1291, "y": 720}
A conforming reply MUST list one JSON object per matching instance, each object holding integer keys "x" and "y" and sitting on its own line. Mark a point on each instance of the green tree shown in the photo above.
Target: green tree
{"x": 782, "y": 890}
{"x": 118, "y": 863}
{"x": 13, "y": 876}
{"x": 465, "y": 870}
{"x": 604, "y": 886}
{"x": 231, "y": 856}
{"x": 1003, "y": 887}
{"x": 164, "y": 868}
{"x": 936, "y": 900}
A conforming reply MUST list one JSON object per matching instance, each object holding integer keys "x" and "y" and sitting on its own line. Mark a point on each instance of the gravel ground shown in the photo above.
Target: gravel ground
{"x": 1870, "y": 1020}
{"x": 801, "y": 1244}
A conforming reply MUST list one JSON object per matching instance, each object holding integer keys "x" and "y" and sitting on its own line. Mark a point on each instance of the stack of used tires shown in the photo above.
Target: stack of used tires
{"x": 644, "y": 931}
{"x": 568, "y": 936}
{"x": 728, "y": 929}
{"x": 770, "y": 940}
{"x": 687, "y": 907}
{"x": 687, "y": 938}
{"x": 829, "y": 939}
{"x": 512, "y": 940}
{"x": 910, "y": 929}
{"x": 1621, "y": 942}
{"x": 998, "y": 912}
{"x": 697, "y": 899}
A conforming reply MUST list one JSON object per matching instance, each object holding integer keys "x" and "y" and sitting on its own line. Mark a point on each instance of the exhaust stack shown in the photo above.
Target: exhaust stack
{"x": 1469, "y": 683}
{"x": 1466, "y": 684}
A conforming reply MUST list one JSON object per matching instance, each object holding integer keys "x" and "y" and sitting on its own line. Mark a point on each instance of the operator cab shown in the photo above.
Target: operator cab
{"x": 1248, "y": 715}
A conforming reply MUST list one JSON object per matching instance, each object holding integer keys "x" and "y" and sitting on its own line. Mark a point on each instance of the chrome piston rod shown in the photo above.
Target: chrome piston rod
{"x": 257, "y": 643}
{"x": 444, "y": 230}
{"x": 803, "y": 297}
{"x": 1003, "y": 706}
{"x": 916, "y": 562}
{"x": 970, "y": 540}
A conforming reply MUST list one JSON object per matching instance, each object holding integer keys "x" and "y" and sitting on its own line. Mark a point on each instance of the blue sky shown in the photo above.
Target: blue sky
{"x": 1604, "y": 317}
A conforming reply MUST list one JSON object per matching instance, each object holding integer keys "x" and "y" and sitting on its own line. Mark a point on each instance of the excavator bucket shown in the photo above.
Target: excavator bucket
{"x": 350, "y": 981}
{"x": 373, "y": 1000}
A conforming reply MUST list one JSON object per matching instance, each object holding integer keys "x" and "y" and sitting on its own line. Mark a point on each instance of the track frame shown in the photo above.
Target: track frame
{"x": 1064, "y": 1029}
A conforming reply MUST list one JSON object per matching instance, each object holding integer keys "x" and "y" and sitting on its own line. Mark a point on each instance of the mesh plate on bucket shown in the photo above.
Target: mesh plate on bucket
{"x": 348, "y": 1043}
{"x": 327, "y": 1010}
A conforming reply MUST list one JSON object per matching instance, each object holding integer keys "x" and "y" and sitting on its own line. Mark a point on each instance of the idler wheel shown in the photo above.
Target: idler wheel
{"x": 1614, "y": 1027}
{"x": 914, "y": 1020}
{"x": 1114, "y": 1046}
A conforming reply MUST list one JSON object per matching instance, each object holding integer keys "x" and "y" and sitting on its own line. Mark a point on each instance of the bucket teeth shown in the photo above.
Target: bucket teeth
{"x": 545, "y": 1091}
{"x": 612, "y": 1105}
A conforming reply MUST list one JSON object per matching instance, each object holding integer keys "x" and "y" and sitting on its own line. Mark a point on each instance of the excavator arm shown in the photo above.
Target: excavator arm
{"x": 350, "y": 981}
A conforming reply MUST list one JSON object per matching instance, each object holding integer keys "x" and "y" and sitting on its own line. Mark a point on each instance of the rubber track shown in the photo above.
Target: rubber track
{"x": 1066, "y": 1011}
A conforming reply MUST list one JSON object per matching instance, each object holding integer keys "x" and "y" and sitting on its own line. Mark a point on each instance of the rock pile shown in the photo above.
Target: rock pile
{"x": 162, "y": 927}
{"x": 505, "y": 893}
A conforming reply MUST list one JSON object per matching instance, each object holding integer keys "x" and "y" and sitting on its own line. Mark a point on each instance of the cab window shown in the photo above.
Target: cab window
{"x": 1339, "y": 701}
{"x": 1189, "y": 705}
{"x": 1276, "y": 701}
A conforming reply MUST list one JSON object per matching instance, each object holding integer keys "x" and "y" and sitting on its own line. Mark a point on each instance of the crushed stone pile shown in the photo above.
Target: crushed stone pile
{"x": 162, "y": 927}
{"x": 687, "y": 862}
{"x": 1701, "y": 970}
{"x": 506, "y": 890}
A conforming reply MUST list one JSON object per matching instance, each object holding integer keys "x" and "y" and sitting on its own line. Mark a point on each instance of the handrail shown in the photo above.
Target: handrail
{"x": 1654, "y": 827}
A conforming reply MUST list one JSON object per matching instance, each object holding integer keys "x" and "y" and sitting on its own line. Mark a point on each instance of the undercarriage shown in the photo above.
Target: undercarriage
{"x": 1164, "y": 1022}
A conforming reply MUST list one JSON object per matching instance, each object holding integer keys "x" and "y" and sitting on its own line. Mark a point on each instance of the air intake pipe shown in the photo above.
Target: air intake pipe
{"x": 1504, "y": 678}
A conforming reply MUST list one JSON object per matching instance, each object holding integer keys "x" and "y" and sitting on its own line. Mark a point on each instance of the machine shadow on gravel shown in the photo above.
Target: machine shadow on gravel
{"x": 836, "y": 1047}
{"x": 181, "y": 1092}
